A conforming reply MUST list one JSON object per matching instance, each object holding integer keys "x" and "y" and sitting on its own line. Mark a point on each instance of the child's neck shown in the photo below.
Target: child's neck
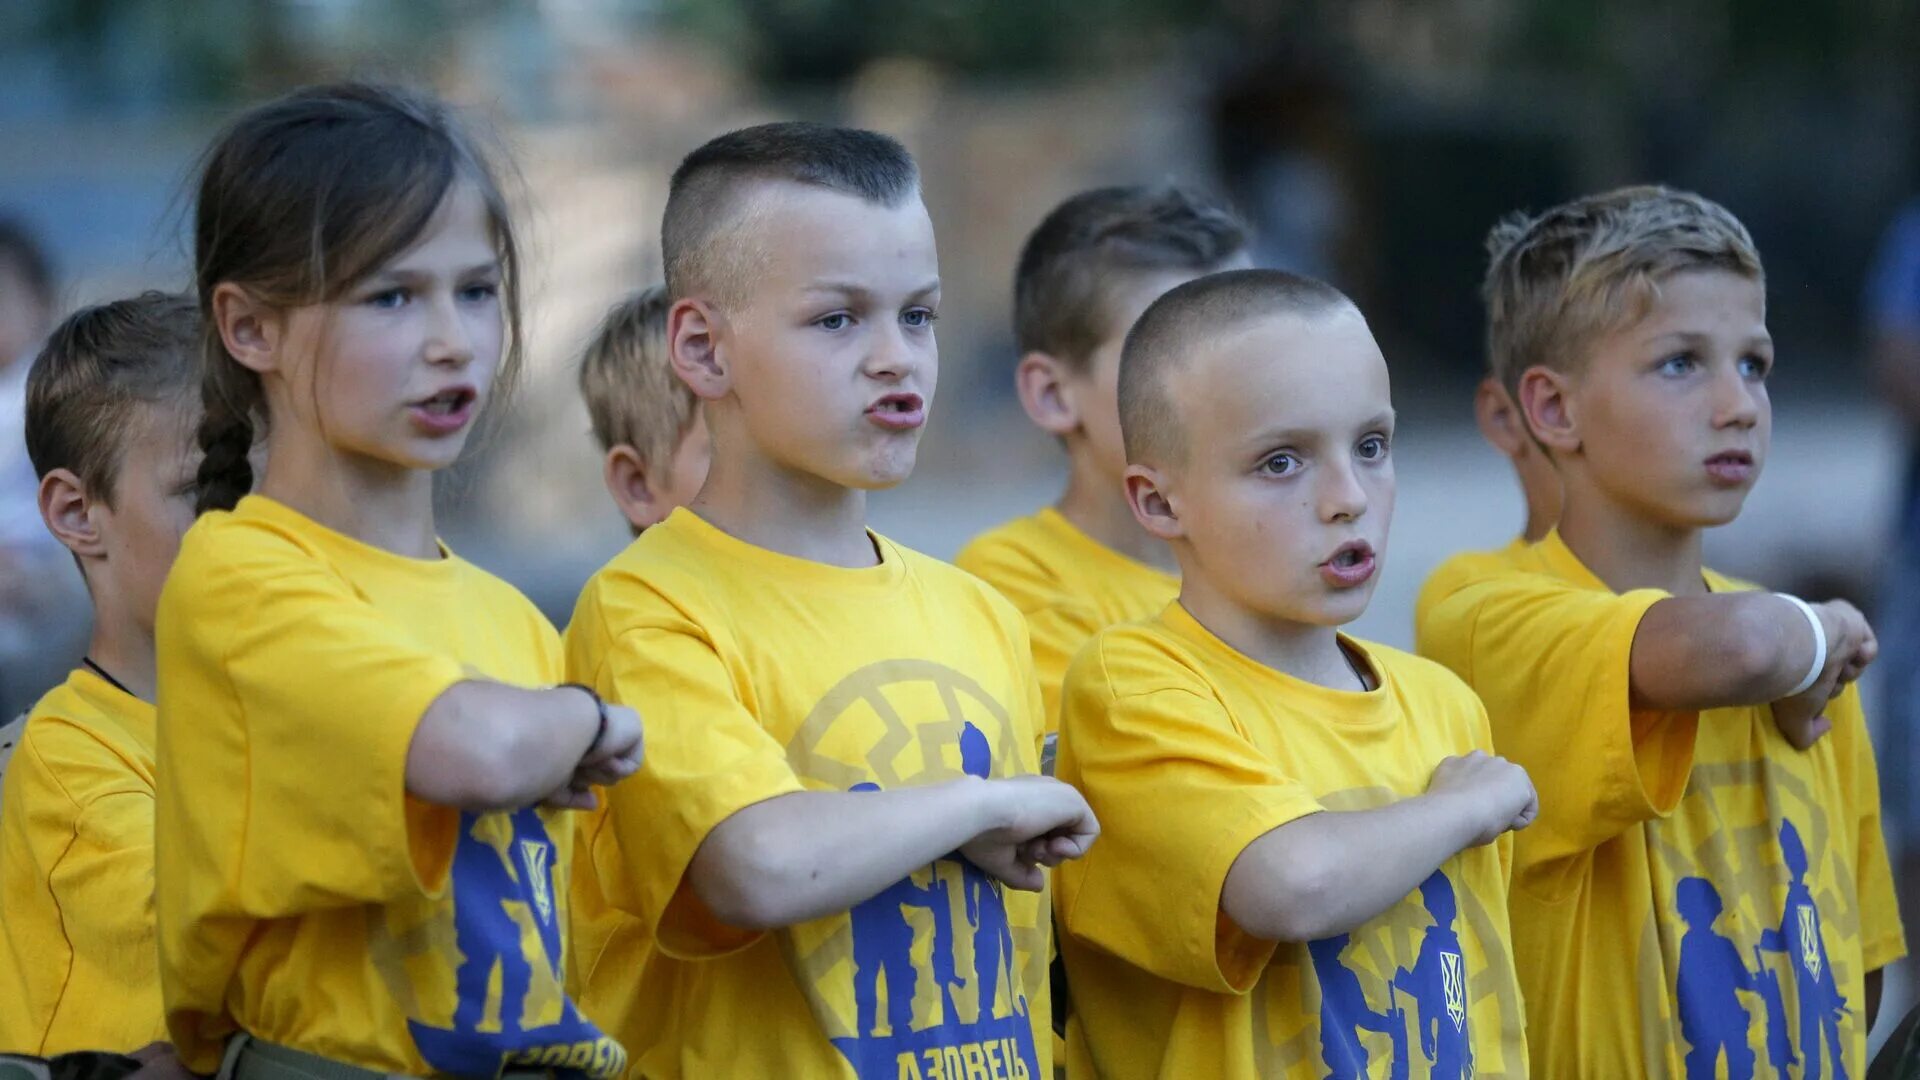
{"x": 382, "y": 506}
{"x": 124, "y": 650}
{"x": 791, "y": 513}
{"x": 1629, "y": 552}
{"x": 1096, "y": 505}
{"x": 1305, "y": 651}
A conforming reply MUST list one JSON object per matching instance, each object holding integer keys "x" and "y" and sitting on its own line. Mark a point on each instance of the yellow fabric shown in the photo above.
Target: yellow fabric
{"x": 1633, "y": 804}
{"x": 302, "y": 895}
{"x": 77, "y": 963}
{"x": 1188, "y": 752}
{"x": 761, "y": 675}
{"x": 1068, "y": 585}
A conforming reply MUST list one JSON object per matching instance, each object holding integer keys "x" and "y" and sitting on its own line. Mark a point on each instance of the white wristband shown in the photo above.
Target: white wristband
{"x": 1819, "y": 645}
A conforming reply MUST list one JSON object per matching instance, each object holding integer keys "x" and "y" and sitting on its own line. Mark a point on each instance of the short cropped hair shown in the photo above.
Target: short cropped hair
{"x": 1586, "y": 267}
{"x": 632, "y": 394}
{"x": 96, "y": 368}
{"x": 1184, "y": 320}
{"x": 1078, "y": 254}
{"x": 706, "y": 198}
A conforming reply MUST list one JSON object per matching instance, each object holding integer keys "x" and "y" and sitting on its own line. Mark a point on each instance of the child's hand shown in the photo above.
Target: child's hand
{"x": 1851, "y": 646}
{"x": 1497, "y": 794}
{"x": 1042, "y": 822}
{"x": 616, "y": 754}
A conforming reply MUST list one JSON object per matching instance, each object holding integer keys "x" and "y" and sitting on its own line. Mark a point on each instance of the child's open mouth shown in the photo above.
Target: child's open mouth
{"x": 1351, "y": 564}
{"x": 898, "y": 412}
{"x": 1730, "y": 468}
{"x": 445, "y": 412}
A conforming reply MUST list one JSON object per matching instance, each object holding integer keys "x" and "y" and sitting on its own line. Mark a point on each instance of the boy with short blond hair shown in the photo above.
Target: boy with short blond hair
{"x": 1707, "y": 885}
{"x": 1085, "y": 274}
{"x": 652, "y": 438}
{"x": 1303, "y": 864}
{"x": 110, "y": 414}
{"x": 840, "y": 794}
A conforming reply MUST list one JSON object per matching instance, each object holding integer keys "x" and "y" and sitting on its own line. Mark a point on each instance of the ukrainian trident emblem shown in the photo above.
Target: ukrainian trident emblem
{"x": 1809, "y": 938}
{"x": 533, "y": 854}
{"x": 1454, "y": 983}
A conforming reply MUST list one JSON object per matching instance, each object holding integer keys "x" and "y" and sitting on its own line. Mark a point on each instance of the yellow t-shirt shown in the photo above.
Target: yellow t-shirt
{"x": 1068, "y": 585}
{"x": 1695, "y": 890}
{"x": 302, "y": 895}
{"x": 77, "y": 963}
{"x": 1189, "y": 751}
{"x": 761, "y": 675}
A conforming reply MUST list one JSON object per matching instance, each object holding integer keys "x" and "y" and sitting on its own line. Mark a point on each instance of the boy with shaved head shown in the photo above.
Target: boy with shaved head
{"x": 1303, "y": 868}
{"x": 835, "y": 850}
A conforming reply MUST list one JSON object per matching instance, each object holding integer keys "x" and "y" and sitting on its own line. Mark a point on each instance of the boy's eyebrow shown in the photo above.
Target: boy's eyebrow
{"x": 1694, "y": 337}
{"x": 1277, "y": 436}
{"x": 856, "y": 291}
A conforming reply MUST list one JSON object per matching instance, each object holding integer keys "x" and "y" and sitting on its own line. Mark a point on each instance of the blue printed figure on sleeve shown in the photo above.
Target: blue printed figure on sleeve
{"x": 1437, "y": 982}
{"x": 503, "y": 885}
{"x": 1816, "y": 990}
{"x": 1344, "y": 1014}
{"x": 1779, "y": 1037}
{"x": 1712, "y": 1020}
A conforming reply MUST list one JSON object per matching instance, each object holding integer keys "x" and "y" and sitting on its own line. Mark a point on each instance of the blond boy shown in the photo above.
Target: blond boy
{"x": 833, "y": 841}
{"x": 1303, "y": 868}
{"x": 111, "y": 407}
{"x": 1707, "y": 888}
{"x": 1085, "y": 274}
{"x": 653, "y": 440}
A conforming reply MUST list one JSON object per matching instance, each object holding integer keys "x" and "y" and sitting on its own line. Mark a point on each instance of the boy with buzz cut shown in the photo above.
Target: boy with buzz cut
{"x": 1707, "y": 886}
{"x": 1303, "y": 869}
{"x": 648, "y": 423}
{"x": 1087, "y": 272}
{"x": 837, "y": 844}
{"x": 112, "y": 401}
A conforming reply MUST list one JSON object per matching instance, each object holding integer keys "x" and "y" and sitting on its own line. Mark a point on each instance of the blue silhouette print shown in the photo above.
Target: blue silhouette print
{"x": 1344, "y": 1013}
{"x": 1437, "y": 982}
{"x": 1712, "y": 1020}
{"x": 489, "y": 880}
{"x": 883, "y": 944}
{"x": 883, "y": 949}
{"x": 992, "y": 939}
{"x": 1799, "y": 937}
{"x": 1779, "y": 1040}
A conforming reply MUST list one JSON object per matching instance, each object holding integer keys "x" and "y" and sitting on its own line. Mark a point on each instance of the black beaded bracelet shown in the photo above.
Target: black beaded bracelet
{"x": 599, "y": 705}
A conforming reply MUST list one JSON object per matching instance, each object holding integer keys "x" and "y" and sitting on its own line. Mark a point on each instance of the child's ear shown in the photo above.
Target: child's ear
{"x": 1546, "y": 404}
{"x": 626, "y": 477}
{"x": 69, "y": 515}
{"x": 1041, "y": 380}
{"x": 693, "y": 348}
{"x": 1152, "y": 505}
{"x": 1498, "y": 418}
{"x": 248, "y": 328}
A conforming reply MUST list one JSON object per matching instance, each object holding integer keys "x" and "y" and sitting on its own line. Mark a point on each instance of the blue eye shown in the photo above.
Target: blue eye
{"x": 1678, "y": 365}
{"x": 1280, "y": 465}
{"x": 835, "y": 322}
{"x": 1754, "y": 367}
{"x": 1373, "y": 448}
{"x": 479, "y": 292}
{"x": 918, "y": 317}
{"x": 388, "y": 298}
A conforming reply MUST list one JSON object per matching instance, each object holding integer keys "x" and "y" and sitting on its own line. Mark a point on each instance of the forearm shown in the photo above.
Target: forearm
{"x": 1331, "y": 872}
{"x": 807, "y": 854}
{"x": 1705, "y": 652}
{"x": 489, "y": 746}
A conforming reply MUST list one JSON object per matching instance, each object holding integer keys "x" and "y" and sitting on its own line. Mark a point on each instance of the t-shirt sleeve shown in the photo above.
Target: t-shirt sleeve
{"x": 329, "y": 692}
{"x": 707, "y": 758}
{"x": 1552, "y": 661}
{"x": 1180, "y": 793}
{"x": 1882, "y": 939}
{"x": 103, "y": 884}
